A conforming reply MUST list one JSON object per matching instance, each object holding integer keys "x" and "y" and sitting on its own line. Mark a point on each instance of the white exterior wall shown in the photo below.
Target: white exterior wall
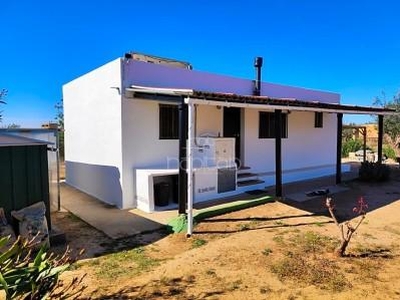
{"x": 93, "y": 141}
{"x": 142, "y": 148}
{"x": 209, "y": 121}
{"x": 305, "y": 148}
{"x": 306, "y": 152}
{"x": 157, "y": 75}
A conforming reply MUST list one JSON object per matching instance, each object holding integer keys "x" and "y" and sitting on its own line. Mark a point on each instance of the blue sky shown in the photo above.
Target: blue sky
{"x": 349, "y": 47}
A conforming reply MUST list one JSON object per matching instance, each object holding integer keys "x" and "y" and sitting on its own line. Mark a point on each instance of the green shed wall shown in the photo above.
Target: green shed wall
{"x": 24, "y": 178}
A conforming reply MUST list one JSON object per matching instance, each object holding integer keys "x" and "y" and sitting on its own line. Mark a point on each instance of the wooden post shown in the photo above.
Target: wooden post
{"x": 380, "y": 137}
{"x": 278, "y": 153}
{"x": 339, "y": 148}
{"x": 182, "y": 177}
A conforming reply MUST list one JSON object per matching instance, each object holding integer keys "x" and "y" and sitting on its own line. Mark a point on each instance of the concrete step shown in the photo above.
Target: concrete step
{"x": 249, "y": 182}
{"x": 243, "y": 169}
{"x": 246, "y": 176}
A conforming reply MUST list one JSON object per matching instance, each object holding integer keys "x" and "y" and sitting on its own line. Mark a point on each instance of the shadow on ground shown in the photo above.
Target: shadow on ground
{"x": 376, "y": 194}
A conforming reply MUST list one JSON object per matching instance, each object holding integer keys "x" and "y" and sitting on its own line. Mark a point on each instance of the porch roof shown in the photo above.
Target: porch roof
{"x": 261, "y": 102}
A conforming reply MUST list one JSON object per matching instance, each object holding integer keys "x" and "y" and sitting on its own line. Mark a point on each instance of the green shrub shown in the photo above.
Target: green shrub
{"x": 389, "y": 152}
{"x": 370, "y": 171}
{"x": 198, "y": 243}
{"x": 351, "y": 146}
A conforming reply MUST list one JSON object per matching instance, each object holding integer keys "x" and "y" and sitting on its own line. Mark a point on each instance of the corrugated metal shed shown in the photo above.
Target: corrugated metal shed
{"x": 23, "y": 173}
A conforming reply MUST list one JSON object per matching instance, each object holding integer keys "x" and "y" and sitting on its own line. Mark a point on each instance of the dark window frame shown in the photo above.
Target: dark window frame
{"x": 266, "y": 125}
{"x": 168, "y": 120}
{"x": 318, "y": 119}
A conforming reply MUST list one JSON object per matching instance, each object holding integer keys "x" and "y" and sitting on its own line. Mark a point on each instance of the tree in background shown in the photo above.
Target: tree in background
{"x": 348, "y": 133}
{"x": 351, "y": 145}
{"x": 391, "y": 124}
{"x": 349, "y": 142}
{"x": 60, "y": 121}
{"x": 60, "y": 113}
{"x": 3, "y": 94}
{"x": 12, "y": 126}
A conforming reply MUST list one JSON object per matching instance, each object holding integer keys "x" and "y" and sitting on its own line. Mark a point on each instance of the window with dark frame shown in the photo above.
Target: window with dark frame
{"x": 319, "y": 120}
{"x": 168, "y": 122}
{"x": 266, "y": 128}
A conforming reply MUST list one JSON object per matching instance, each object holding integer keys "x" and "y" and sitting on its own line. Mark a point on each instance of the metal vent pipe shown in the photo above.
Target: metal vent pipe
{"x": 258, "y": 61}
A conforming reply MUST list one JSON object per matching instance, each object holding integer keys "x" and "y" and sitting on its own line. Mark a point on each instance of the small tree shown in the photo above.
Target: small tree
{"x": 3, "y": 94}
{"x": 391, "y": 124}
{"x": 60, "y": 121}
{"x": 348, "y": 133}
{"x": 351, "y": 146}
{"x": 60, "y": 113}
{"x": 346, "y": 228}
{"x": 12, "y": 126}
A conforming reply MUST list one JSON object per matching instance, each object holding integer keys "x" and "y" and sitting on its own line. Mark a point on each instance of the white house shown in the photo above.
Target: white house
{"x": 137, "y": 125}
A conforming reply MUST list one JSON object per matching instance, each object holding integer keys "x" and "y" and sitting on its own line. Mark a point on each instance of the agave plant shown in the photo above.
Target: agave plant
{"x": 28, "y": 275}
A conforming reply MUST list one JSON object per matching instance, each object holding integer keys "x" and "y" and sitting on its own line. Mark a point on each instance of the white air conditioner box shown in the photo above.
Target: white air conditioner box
{"x": 214, "y": 152}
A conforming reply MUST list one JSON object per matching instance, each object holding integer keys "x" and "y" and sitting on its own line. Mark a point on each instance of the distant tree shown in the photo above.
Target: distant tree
{"x": 60, "y": 121}
{"x": 12, "y": 126}
{"x": 3, "y": 94}
{"x": 60, "y": 113}
{"x": 391, "y": 124}
{"x": 347, "y": 134}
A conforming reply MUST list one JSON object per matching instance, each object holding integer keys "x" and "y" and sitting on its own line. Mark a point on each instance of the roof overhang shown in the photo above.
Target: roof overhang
{"x": 256, "y": 102}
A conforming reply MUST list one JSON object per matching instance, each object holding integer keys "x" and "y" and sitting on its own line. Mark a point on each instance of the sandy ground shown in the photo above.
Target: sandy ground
{"x": 230, "y": 256}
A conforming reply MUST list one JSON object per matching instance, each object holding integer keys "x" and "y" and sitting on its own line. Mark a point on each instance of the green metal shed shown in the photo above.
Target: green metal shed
{"x": 24, "y": 178}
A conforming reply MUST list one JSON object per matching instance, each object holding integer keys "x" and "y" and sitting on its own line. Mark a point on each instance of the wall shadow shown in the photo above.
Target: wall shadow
{"x": 105, "y": 228}
{"x": 103, "y": 182}
{"x": 300, "y": 224}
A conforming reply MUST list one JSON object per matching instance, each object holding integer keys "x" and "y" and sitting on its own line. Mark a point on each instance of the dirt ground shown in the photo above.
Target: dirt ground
{"x": 280, "y": 250}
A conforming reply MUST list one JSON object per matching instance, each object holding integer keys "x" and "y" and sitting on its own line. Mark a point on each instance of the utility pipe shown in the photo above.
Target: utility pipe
{"x": 189, "y": 160}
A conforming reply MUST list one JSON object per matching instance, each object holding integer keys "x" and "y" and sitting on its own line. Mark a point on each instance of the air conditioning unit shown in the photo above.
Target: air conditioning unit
{"x": 214, "y": 152}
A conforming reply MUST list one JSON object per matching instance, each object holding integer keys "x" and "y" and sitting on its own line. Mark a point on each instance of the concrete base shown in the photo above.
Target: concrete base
{"x": 114, "y": 222}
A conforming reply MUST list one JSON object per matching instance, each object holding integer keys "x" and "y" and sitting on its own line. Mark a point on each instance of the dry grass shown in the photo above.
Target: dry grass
{"x": 310, "y": 262}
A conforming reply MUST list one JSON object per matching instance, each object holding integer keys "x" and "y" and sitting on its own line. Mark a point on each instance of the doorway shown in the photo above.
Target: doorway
{"x": 232, "y": 128}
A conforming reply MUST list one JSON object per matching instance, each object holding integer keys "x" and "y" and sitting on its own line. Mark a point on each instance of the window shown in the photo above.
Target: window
{"x": 319, "y": 120}
{"x": 169, "y": 122}
{"x": 266, "y": 129}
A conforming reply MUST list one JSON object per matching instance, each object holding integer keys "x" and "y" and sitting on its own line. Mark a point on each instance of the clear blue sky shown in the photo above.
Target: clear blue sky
{"x": 349, "y": 47}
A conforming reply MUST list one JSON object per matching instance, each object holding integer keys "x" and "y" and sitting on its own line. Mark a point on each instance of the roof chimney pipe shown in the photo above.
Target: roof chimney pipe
{"x": 258, "y": 61}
